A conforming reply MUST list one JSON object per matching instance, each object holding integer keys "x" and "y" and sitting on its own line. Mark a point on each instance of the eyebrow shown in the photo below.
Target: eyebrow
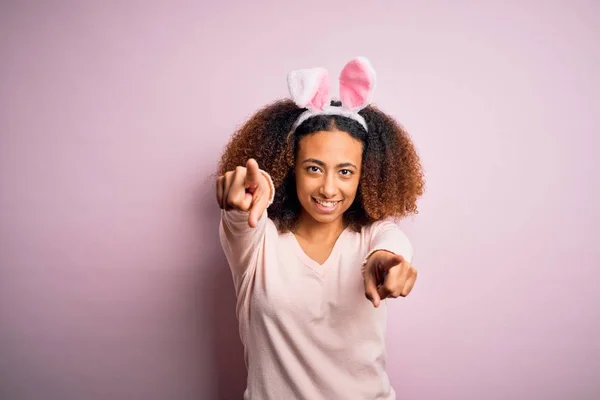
{"x": 322, "y": 164}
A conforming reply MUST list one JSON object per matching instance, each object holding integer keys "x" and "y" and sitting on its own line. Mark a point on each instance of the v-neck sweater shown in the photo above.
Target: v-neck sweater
{"x": 308, "y": 330}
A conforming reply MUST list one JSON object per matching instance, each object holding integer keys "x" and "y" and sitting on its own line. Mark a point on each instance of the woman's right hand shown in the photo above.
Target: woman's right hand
{"x": 244, "y": 189}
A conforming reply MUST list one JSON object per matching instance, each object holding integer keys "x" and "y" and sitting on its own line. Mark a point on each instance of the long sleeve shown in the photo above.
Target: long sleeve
{"x": 241, "y": 243}
{"x": 387, "y": 235}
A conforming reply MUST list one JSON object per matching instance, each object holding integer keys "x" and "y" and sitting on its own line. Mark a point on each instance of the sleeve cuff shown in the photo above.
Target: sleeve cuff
{"x": 271, "y": 186}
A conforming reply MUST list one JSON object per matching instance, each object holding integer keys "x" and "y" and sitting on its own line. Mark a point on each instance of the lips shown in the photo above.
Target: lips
{"x": 326, "y": 204}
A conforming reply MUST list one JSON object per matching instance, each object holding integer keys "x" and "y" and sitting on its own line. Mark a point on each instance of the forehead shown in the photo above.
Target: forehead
{"x": 330, "y": 146}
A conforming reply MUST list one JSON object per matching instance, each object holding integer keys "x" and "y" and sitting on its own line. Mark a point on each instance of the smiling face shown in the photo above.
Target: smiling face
{"x": 328, "y": 168}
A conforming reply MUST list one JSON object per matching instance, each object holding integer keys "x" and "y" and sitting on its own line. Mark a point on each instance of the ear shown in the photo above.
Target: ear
{"x": 357, "y": 83}
{"x": 310, "y": 88}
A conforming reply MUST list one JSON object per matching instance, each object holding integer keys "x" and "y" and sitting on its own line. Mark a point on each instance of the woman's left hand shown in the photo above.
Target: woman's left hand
{"x": 387, "y": 275}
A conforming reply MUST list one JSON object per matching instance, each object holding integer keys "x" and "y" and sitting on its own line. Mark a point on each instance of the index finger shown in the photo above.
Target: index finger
{"x": 371, "y": 288}
{"x": 257, "y": 209}
{"x": 252, "y": 174}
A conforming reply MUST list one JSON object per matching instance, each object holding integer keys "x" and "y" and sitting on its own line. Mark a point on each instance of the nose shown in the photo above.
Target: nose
{"x": 328, "y": 188}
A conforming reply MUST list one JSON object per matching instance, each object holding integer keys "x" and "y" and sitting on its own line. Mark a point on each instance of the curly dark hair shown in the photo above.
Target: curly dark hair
{"x": 391, "y": 180}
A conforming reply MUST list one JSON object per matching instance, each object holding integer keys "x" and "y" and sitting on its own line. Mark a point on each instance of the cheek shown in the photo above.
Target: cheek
{"x": 303, "y": 185}
{"x": 350, "y": 188}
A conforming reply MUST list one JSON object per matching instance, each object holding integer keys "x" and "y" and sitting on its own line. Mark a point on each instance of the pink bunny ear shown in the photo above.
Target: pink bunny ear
{"x": 357, "y": 83}
{"x": 310, "y": 87}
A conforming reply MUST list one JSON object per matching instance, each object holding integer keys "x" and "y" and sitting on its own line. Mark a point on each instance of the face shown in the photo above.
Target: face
{"x": 328, "y": 167}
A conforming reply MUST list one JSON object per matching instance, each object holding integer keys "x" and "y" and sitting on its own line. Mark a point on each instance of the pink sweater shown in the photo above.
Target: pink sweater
{"x": 309, "y": 332}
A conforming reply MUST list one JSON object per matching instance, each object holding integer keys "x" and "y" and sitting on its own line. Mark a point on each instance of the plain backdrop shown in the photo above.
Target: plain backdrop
{"x": 113, "y": 116}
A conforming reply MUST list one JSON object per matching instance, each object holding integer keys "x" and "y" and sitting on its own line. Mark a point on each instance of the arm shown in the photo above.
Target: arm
{"x": 387, "y": 268}
{"x": 240, "y": 241}
{"x": 387, "y": 236}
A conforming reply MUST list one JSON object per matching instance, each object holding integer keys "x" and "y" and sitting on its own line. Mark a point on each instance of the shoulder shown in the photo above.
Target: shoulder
{"x": 387, "y": 235}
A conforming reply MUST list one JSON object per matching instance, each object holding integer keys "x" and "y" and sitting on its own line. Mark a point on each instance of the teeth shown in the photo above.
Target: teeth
{"x": 328, "y": 204}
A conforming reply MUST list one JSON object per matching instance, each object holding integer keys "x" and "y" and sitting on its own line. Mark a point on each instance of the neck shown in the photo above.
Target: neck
{"x": 319, "y": 232}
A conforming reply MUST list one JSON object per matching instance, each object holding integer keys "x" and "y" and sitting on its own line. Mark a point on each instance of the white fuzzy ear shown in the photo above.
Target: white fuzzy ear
{"x": 310, "y": 87}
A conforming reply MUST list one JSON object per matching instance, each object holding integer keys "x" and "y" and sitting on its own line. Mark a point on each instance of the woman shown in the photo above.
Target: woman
{"x": 309, "y": 191}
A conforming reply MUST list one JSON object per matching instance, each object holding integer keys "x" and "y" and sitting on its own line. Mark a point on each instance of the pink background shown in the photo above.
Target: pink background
{"x": 112, "y": 118}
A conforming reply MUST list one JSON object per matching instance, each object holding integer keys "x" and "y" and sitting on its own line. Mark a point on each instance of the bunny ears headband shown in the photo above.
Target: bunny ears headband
{"x": 310, "y": 88}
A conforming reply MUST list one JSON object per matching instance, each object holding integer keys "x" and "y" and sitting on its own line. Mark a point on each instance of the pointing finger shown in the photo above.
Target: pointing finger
{"x": 258, "y": 207}
{"x": 371, "y": 288}
{"x": 252, "y": 174}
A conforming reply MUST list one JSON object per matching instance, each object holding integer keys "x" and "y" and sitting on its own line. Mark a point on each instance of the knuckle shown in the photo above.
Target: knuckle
{"x": 230, "y": 201}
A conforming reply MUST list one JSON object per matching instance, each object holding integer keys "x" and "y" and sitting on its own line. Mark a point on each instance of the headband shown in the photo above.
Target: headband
{"x": 309, "y": 89}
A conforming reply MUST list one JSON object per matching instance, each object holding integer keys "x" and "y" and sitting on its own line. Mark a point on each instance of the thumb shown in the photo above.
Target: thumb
{"x": 392, "y": 261}
{"x": 371, "y": 287}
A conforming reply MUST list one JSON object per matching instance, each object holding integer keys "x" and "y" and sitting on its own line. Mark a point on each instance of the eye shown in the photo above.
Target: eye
{"x": 313, "y": 169}
{"x": 346, "y": 172}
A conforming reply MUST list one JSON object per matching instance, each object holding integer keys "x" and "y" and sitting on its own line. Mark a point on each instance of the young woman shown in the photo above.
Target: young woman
{"x": 310, "y": 190}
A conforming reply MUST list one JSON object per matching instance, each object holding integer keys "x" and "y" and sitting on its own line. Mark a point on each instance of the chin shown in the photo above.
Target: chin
{"x": 326, "y": 219}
